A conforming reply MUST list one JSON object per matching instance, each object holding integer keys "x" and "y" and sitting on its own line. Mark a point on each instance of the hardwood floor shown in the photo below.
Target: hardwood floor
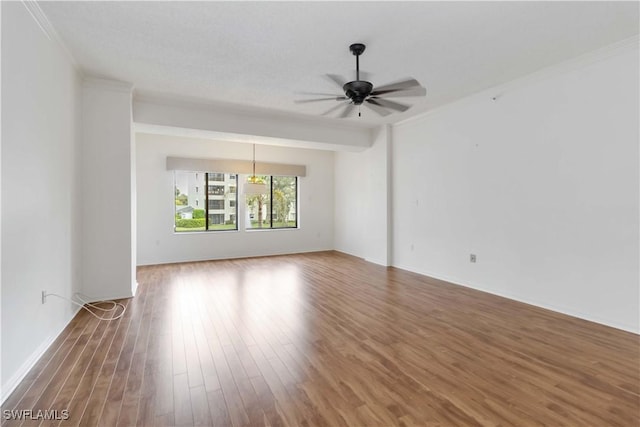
{"x": 328, "y": 339}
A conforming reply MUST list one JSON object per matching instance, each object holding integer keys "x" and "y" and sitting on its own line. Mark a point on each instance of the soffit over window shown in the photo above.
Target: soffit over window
{"x": 232, "y": 166}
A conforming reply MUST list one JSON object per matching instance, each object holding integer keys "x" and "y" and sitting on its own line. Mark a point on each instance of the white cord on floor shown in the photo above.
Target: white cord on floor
{"x": 84, "y": 305}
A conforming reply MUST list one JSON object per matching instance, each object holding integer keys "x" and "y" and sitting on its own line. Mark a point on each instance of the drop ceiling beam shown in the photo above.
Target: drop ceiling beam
{"x": 192, "y": 119}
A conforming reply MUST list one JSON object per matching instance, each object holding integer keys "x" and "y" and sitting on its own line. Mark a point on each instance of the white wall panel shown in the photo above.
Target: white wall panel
{"x": 541, "y": 184}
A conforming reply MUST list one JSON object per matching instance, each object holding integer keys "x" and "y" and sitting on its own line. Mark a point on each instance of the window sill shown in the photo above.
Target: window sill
{"x": 204, "y": 232}
{"x": 253, "y": 230}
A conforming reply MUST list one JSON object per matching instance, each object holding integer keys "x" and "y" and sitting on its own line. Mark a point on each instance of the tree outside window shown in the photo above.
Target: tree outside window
{"x": 278, "y": 207}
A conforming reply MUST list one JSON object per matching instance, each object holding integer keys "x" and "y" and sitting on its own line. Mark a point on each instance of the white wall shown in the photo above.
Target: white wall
{"x": 108, "y": 190}
{"x": 157, "y": 242}
{"x": 361, "y": 200}
{"x": 40, "y": 209}
{"x": 541, "y": 184}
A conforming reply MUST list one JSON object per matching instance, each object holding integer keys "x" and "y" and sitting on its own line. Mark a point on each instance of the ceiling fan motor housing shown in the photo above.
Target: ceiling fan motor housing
{"x": 357, "y": 90}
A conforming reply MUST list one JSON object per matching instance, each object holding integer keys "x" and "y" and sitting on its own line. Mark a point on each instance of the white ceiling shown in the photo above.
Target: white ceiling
{"x": 262, "y": 54}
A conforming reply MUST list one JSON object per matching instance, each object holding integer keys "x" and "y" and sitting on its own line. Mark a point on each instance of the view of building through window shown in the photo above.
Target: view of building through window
{"x": 208, "y": 201}
{"x": 200, "y": 210}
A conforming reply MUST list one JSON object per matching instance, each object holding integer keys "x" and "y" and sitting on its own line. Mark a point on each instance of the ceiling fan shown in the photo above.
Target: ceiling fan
{"x": 359, "y": 92}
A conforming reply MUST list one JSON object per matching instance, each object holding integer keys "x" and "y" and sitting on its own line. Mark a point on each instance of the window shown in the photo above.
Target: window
{"x": 276, "y": 209}
{"x": 216, "y": 204}
{"x": 216, "y": 190}
{"x": 216, "y": 219}
{"x": 192, "y": 207}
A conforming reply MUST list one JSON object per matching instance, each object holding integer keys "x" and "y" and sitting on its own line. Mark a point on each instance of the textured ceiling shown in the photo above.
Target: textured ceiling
{"x": 262, "y": 54}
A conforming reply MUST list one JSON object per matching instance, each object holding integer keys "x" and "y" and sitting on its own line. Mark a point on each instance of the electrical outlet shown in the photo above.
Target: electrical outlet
{"x": 472, "y": 258}
{"x": 44, "y": 296}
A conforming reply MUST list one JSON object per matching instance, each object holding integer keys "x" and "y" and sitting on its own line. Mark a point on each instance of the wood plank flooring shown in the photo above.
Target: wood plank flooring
{"x": 326, "y": 339}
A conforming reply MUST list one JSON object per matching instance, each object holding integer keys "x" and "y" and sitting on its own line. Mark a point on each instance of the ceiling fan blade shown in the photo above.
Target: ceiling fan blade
{"x": 388, "y": 104}
{"x": 350, "y": 108}
{"x": 336, "y": 79}
{"x": 372, "y": 104}
{"x": 334, "y": 98}
{"x": 332, "y": 109}
{"x": 393, "y": 93}
{"x": 318, "y": 94}
{"x": 403, "y": 85}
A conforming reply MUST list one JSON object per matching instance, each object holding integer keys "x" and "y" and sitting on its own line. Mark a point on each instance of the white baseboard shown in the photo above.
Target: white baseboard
{"x": 548, "y": 305}
{"x": 134, "y": 288}
{"x": 112, "y": 297}
{"x": 24, "y": 369}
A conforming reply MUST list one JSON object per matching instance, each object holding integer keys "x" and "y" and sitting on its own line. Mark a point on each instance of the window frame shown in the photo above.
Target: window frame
{"x": 270, "y": 213}
{"x": 233, "y": 178}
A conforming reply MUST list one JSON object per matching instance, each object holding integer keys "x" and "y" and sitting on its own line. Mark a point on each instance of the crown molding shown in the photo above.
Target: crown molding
{"x": 47, "y": 28}
{"x": 109, "y": 84}
{"x": 495, "y": 92}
